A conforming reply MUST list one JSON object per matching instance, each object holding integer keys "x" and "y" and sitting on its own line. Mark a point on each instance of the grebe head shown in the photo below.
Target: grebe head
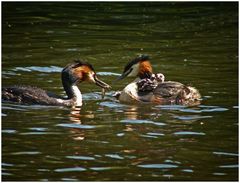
{"x": 79, "y": 71}
{"x": 139, "y": 67}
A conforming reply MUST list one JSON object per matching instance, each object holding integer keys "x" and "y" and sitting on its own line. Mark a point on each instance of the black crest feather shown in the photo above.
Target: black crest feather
{"x": 135, "y": 61}
{"x": 79, "y": 63}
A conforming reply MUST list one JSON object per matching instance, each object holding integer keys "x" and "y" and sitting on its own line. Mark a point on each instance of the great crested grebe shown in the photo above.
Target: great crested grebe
{"x": 72, "y": 74}
{"x": 151, "y": 88}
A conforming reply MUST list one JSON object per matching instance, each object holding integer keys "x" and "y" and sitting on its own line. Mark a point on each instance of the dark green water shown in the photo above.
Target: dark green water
{"x": 194, "y": 43}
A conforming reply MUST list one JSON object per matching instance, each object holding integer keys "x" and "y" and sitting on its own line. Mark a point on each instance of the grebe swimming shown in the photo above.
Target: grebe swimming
{"x": 72, "y": 74}
{"x": 151, "y": 88}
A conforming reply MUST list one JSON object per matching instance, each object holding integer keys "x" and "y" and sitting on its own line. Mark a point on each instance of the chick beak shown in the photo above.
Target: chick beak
{"x": 100, "y": 83}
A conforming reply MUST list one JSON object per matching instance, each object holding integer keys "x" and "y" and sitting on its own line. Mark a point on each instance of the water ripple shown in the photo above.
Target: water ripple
{"x": 228, "y": 166}
{"x": 102, "y": 168}
{"x": 80, "y": 157}
{"x": 187, "y": 170}
{"x": 9, "y": 131}
{"x": 149, "y": 136}
{"x": 155, "y": 134}
{"x": 7, "y": 164}
{"x": 75, "y": 169}
{"x": 108, "y": 74}
{"x": 26, "y": 153}
{"x": 218, "y": 173}
{"x": 204, "y": 108}
{"x": 159, "y": 166}
{"x": 218, "y": 109}
{"x": 22, "y": 107}
{"x": 40, "y": 133}
{"x": 73, "y": 125}
{"x": 6, "y": 174}
{"x": 38, "y": 129}
{"x": 68, "y": 179}
{"x": 9, "y": 73}
{"x": 170, "y": 107}
{"x": 199, "y": 109}
{"x": 13, "y": 108}
{"x": 120, "y": 134}
{"x": 225, "y": 153}
{"x": 112, "y": 104}
{"x": 135, "y": 121}
{"x": 39, "y": 69}
{"x": 114, "y": 156}
{"x": 191, "y": 117}
{"x": 189, "y": 133}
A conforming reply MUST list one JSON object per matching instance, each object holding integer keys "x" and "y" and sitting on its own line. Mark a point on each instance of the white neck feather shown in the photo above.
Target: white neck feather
{"x": 77, "y": 93}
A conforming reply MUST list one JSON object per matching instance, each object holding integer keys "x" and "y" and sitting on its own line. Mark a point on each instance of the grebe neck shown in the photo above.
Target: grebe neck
{"x": 77, "y": 95}
{"x": 73, "y": 92}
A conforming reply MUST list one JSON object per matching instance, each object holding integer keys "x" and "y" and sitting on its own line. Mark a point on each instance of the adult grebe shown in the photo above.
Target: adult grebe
{"x": 72, "y": 74}
{"x": 152, "y": 88}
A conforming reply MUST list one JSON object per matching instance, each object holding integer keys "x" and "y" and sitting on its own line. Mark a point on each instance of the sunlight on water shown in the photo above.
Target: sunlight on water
{"x": 75, "y": 169}
{"x": 39, "y": 69}
{"x": 76, "y": 126}
{"x": 142, "y": 122}
{"x": 81, "y": 157}
{"x": 160, "y": 166}
{"x": 189, "y": 133}
{"x": 105, "y": 140}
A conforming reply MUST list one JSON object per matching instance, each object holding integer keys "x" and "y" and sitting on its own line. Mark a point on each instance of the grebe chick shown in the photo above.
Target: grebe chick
{"x": 152, "y": 88}
{"x": 72, "y": 74}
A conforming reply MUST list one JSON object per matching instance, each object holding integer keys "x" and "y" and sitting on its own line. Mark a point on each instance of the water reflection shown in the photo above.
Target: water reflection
{"x": 74, "y": 115}
{"x": 78, "y": 134}
{"x": 131, "y": 113}
{"x": 75, "y": 124}
{"x": 195, "y": 43}
{"x": 128, "y": 139}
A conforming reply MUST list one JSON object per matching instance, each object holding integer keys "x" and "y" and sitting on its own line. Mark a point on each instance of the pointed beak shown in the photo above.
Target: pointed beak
{"x": 125, "y": 74}
{"x": 121, "y": 77}
{"x": 100, "y": 83}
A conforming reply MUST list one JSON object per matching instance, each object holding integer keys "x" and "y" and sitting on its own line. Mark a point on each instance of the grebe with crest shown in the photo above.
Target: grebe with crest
{"x": 152, "y": 88}
{"x": 71, "y": 75}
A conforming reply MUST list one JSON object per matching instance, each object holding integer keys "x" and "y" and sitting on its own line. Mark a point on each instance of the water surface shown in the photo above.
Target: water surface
{"x": 194, "y": 43}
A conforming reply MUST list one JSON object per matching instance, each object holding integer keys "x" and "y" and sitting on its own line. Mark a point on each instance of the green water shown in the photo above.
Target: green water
{"x": 194, "y": 43}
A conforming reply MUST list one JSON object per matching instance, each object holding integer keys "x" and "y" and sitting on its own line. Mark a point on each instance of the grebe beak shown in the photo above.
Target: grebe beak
{"x": 125, "y": 74}
{"x": 100, "y": 83}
